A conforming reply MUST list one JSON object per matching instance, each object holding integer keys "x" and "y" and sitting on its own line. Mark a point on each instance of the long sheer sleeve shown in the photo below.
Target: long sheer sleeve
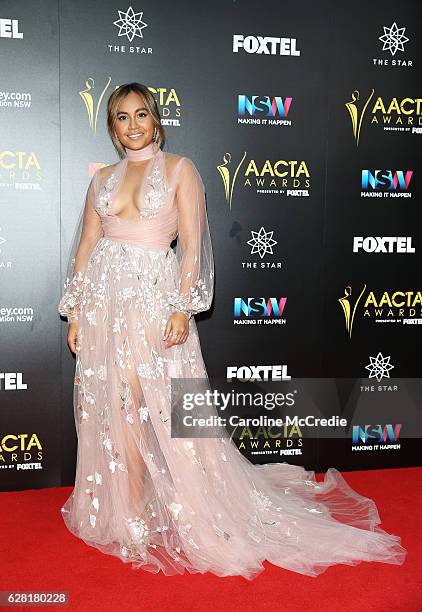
{"x": 193, "y": 249}
{"x": 87, "y": 233}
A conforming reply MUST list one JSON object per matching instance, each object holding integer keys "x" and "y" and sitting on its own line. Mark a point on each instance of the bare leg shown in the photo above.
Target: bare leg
{"x": 132, "y": 398}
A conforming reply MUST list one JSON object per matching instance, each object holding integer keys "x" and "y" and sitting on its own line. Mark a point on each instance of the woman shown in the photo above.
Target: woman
{"x": 159, "y": 502}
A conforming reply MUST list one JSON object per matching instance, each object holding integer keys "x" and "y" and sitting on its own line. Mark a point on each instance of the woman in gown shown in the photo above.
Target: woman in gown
{"x": 163, "y": 503}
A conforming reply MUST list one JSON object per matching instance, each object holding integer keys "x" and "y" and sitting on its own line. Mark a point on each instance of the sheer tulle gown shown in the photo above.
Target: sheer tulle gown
{"x": 164, "y": 503}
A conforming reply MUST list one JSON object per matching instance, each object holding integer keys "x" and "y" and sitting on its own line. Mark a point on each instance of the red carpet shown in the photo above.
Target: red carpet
{"x": 38, "y": 553}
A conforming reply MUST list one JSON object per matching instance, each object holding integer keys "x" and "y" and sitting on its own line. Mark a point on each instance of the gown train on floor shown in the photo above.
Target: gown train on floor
{"x": 176, "y": 504}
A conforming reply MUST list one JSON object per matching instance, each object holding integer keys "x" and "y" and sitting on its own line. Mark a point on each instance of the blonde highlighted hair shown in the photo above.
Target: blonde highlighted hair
{"x": 113, "y": 108}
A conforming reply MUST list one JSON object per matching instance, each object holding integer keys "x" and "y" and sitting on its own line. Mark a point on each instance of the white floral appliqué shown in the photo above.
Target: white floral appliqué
{"x": 154, "y": 198}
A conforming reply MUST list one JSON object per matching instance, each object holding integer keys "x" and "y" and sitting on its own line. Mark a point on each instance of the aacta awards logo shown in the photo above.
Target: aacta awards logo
{"x": 92, "y": 98}
{"x": 20, "y": 170}
{"x": 282, "y": 177}
{"x": 259, "y": 440}
{"x": 400, "y": 307}
{"x": 22, "y": 451}
{"x": 392, "y": 115}
{"x": 167, "y": 100}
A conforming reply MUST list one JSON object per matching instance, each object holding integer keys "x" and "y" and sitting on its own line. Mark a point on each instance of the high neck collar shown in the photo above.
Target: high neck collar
{"x": 145, "y": 153}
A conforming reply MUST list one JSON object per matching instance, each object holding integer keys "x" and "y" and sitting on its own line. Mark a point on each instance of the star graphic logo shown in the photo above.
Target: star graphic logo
{"x": 379, "y": 367}
{"x": 393, "y": 39}
{"x": 2, "y": 240}
{"x": 262, "y": 242}
{"x": 130, "y": 24}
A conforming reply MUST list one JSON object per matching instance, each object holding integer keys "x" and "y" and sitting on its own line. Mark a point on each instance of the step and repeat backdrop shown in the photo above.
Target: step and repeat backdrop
{"x": 305, "y": 122}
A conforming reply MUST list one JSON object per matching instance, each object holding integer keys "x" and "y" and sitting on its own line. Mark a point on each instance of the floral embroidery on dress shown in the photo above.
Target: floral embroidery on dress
{"x": 154, "y": 198}
{"x": 262, "y": 501}
{"x": 105, "y": 197}
{"x": 138, "y": 528}
{"x": 175, "y": 509}
{"x": 70, "y": 301}
{"x": 153, "y": 369}
{"x": 127, "y": 401}
{"x": 143, "y": 413}
{"x": 96, "y": 479}
{"x": 198, "y": 299}
{"x": 112, "y": 453}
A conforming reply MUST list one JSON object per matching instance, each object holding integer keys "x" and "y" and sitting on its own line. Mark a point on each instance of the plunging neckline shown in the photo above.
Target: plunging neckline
{"x": 150, "y": 194}
{"x": 136, "y": 192}
{"x": 124, "y": 168}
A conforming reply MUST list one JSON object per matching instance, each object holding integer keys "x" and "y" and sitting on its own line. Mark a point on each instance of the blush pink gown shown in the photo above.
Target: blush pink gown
{"x": 176, "y": 504}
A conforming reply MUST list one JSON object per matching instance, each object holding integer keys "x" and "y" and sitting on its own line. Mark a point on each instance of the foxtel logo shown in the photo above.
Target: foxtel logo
{"x": 9, "y": 28}
{"x": 383, "y": 244}
{"x": 265, "y": 45}
{"x": 252, "y": 373}
{"x": 12, "y": 381}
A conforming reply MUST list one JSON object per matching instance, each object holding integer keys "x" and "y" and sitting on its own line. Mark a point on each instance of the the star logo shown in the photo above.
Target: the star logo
{"x": 130, "y": 24}
{"x": 2, "y": 240}
{"x": 379, "y": 367}
{"x": 393, "y": 39}
{"x": 262, "y": 242}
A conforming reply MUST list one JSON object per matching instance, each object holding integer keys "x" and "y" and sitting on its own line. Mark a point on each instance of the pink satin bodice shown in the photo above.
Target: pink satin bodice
{"x": 156, "y": 233}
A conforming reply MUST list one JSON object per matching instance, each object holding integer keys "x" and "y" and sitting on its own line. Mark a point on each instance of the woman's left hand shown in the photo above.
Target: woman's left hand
{"x": 177, "y": 329}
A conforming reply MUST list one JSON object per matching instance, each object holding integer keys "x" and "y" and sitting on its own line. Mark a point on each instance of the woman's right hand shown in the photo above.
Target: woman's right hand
{"x": 72, "y": 334}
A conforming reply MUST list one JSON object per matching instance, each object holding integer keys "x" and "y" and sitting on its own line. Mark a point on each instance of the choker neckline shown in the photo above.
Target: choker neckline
{"x": 145, "y": 153}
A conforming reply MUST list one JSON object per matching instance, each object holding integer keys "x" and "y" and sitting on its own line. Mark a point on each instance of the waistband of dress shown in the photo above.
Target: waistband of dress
{"x": 137, "y": 244}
